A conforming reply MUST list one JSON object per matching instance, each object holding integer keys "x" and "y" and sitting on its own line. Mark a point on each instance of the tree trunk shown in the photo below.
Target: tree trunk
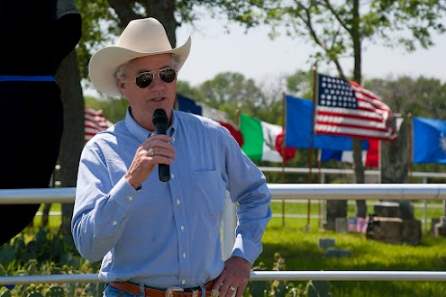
{"x": 395, "y": 163}
{"x": 163, "y": 11}
{"x": 68, "y": 78}
{"x": 361, "y": 205}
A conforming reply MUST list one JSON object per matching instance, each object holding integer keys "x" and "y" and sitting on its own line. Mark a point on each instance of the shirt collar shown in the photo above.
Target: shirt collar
{"x": 142, "y": 133}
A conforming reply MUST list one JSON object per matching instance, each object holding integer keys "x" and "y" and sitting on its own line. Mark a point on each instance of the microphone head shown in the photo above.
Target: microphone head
{"x": 159, "y": 119}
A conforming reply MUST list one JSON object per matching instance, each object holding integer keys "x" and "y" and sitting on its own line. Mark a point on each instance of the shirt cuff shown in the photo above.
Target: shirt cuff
{"x": 246, "y": 249}
{"x": 123, "y": 194}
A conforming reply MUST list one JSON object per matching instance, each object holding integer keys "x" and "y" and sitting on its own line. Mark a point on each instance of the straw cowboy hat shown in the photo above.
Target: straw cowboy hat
{"x": 143, "y": 37}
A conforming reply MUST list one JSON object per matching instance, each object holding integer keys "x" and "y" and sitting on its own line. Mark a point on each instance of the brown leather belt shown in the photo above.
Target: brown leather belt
{"x": 170, "y": 292}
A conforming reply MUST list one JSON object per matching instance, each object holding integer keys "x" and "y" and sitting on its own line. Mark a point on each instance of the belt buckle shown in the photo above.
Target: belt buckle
{"x": 170, "y": 291}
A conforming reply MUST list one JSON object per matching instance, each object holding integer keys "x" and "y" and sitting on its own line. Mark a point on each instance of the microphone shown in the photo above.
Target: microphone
{"x": 160, "y": 121}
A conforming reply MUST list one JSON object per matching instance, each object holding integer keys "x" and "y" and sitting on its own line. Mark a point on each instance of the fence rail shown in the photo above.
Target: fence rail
{"x": 255, "y": 276}
{"x": 279, "y": 192}
{"x": 346, "y": 171}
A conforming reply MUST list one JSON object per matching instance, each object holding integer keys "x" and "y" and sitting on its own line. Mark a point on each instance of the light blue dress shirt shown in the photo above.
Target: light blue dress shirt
{"x": 167, "y": 234}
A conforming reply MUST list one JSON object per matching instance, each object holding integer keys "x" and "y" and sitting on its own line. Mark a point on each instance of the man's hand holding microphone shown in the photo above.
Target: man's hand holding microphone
{"x": 156, "y": 150}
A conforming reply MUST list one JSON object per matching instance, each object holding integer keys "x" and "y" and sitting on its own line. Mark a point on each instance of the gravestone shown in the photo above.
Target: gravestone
{"x": 440, "y": 227}
{"x": 434, "y": 221}
{"x": 325, "y": 243}
{"x": 389, "y": 225}
{"x": 341, "y": 225}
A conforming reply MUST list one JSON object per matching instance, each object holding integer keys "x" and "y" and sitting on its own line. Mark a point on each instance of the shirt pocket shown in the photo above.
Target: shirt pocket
{"x": 208, "y": 191}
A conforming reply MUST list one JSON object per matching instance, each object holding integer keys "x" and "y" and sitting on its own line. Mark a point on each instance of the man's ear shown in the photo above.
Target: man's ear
{"x": 121, "y": 85}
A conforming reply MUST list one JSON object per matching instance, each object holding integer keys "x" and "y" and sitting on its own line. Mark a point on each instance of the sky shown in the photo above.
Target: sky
{"x": 257, "y": 56}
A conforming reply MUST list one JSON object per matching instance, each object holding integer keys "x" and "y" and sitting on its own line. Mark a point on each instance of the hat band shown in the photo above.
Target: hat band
{"x": 27, "y": 78}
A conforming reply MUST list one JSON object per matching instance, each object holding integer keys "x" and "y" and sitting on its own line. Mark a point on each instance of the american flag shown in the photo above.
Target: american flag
{"x": 346, "y": 108}
{"x": 95, "y": 122}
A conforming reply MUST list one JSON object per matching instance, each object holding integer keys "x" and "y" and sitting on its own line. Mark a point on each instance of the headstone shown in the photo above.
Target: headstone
{"x": 434, "y": 221}
{"x": 337, "y": 252}
{"x": 440, "y": 227}
{"x": 394, "y": 222}
{"x": 341, "y": 225}
{"x": 387, "y": 209}
{"x": 384, "y": 229}
{"x": 325, "y": 243}
{"x": 335, "y": 209}
{"x": 411, "y": 231}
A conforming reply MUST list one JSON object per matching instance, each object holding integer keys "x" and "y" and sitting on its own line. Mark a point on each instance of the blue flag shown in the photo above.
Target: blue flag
{"x": 299, "y": 128}
{"x": 327, "y": 155}
{"x": 188, "y": 105}
{"x": 428, "y": 141}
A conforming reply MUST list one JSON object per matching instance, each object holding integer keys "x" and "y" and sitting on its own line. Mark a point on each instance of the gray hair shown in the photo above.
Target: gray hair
{"x": 121, "y": 72}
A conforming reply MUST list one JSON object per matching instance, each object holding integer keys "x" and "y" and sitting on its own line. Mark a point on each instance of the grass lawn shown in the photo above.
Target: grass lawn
{"x": 301, "y": 252}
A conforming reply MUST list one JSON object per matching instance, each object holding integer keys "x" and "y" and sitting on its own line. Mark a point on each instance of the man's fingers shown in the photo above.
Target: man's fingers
{"x": 224, "y": 290}
{"x": 161, "y": 160}
{"x": 218, "y": 283}
{"x": 165, "y": 138}
{"x": 157, "y": 143}
{"x": 240, "y": 290}
{"x": 163, "y": 152}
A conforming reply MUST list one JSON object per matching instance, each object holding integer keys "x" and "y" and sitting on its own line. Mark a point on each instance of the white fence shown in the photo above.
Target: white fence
{"x": 255, "y": 276}
{"x": 279, "y": 192}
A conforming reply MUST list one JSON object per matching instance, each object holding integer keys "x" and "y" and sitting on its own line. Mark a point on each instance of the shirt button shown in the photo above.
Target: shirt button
{"x": 182, "y": 228}
{"x": 184, "y": 255}
{"x": 173, "y": 138}
{"x": 130, "y": 198}
{"x": 178, "y": 202}
{"x": 115, "y": 223}
{"x": 172, "y": 176}
{"x": 183, "y": 282}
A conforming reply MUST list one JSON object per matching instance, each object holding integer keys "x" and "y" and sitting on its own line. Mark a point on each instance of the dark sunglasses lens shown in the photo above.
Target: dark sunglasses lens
{"x": 143, "y": 80}
{"x": 168, "y": 75}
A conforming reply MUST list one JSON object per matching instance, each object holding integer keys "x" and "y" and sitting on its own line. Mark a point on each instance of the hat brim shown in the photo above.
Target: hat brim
{"x": 104, "y": 63}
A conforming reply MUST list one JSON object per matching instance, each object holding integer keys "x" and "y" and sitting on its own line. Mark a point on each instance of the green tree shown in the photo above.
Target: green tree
{"x": 338, "y": 29}
{"x": 421, "y": 96}
{"x": 300, "y": 83}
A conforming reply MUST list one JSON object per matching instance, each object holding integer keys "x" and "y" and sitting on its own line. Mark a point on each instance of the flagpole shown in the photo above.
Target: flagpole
{"x": 409, "y": 145}
{"x": 310, "y": 151}
{"x": 283, "y": 159}
{"x": 320, "y": 181}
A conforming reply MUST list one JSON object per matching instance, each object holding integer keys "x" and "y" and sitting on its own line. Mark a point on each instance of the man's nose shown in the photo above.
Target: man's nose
{"x": 157, "y": 83}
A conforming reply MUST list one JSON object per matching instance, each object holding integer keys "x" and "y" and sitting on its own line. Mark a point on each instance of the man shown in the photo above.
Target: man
{"x": 162, "y": 238}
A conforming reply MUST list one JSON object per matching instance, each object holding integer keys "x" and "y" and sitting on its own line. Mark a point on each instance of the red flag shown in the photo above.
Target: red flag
{"x": 372, "y": 159}
{"x": 234, "y": 132}
{"x": 287, "y": 153}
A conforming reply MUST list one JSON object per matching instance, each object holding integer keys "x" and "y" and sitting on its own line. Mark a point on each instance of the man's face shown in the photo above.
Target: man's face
{"x": 158, "y": 94}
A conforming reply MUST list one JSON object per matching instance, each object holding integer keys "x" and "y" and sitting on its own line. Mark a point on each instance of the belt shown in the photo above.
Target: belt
{"x": 26, "y": 78}
{"x": 170, "y": 292}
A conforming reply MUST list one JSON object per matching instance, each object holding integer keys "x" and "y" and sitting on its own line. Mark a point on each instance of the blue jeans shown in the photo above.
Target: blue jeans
{"x": 112, "y": 292}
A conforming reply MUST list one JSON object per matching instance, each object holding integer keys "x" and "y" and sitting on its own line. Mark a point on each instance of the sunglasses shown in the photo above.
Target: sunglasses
{"x": 144, "y": 79}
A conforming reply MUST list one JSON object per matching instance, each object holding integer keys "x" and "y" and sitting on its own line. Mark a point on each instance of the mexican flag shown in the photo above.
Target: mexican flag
{"x": 260, "y": 139}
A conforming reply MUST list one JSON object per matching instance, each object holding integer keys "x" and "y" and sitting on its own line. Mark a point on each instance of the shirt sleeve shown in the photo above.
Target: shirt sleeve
{"x": 100, "y": 209}
{"x": 247, "y": 187}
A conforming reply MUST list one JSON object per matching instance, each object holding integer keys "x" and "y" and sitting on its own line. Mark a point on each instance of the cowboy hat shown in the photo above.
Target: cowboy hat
{"x": 142, "y": 37}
